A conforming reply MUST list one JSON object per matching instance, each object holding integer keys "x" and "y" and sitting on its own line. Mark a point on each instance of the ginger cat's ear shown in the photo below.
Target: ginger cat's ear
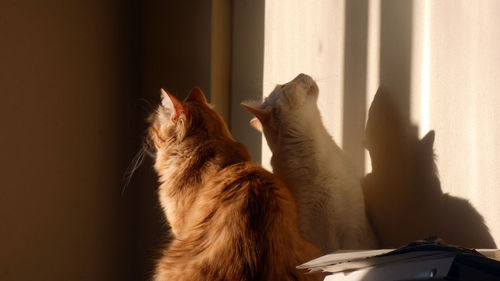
{"x": 171, "y": 104}
{"x": 261, "y": 116}
{"x": 196, "y": 95}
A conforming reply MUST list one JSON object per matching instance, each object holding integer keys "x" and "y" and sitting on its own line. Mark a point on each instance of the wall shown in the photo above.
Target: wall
{"x": 302, "y": 38}
{"x": 64, "y": 143}
{"x": 438, "y": 60}
{"x": 175, "y": 50}
{"x": 77, "y": 80}
{"x": 461, "y": 71}
{"x": 247, "y": 66}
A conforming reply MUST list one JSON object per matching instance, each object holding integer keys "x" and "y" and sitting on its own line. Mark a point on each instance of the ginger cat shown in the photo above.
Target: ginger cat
{"x": 325, "y": 185}
{"x": 230, "y": 219}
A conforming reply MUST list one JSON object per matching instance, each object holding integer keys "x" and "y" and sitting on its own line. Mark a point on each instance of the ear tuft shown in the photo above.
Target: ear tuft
{"x": 173, "y": 105}
{"x": 196, "y": 95}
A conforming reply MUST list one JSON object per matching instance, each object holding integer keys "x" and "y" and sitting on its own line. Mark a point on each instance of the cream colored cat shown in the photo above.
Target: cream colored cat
{"x": 325, "y": 185}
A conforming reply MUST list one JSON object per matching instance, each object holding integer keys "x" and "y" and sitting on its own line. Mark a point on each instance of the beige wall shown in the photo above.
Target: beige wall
{"x": 302, "y": 38}
{"x": 460, "y": 98}
{"x": 440, "y": 60}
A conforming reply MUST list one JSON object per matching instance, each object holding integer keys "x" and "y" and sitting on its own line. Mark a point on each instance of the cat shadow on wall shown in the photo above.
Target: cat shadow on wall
{"x": 403, "y": 195}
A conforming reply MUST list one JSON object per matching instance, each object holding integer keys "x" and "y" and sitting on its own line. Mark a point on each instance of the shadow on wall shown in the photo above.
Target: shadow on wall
{"x": 403, "y": 195}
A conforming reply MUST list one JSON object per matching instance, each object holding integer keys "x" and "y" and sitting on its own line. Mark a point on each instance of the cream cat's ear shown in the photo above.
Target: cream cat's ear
{"x": 196, "y": 95}
{"x": 172, "y": 105}
{"x": 255, "y": 123}
{"x": 261, "y": 116}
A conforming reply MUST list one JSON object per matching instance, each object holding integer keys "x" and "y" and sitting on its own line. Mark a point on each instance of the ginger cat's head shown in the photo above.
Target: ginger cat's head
{"x": 285, "y": 110}
{"x": 189, "y": 141}
{"x": 184, "y": 132}
{"x": 190, "y": 121}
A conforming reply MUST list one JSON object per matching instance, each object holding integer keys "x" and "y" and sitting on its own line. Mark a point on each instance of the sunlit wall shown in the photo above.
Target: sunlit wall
{"x": 457, "y": 81}
{"x": 301, "y": 37}
{"x": 443, "y": 54}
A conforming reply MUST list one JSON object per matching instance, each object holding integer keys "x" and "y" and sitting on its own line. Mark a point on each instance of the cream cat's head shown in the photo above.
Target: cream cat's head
{"x": 287, "y": 111}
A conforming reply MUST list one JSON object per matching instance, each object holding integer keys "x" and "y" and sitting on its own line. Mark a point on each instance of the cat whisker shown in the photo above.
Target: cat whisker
{"x": 134, "y": 164}
{"x": 145, "y": 105}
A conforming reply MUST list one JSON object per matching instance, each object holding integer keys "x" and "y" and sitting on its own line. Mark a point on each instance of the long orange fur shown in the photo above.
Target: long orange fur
{"x": 230, "y": 219}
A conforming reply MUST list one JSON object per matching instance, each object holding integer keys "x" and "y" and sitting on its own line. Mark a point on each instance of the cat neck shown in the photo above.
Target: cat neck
{"x": 200, "y": 159}
{"x": 310, "y": 149}
{"x": 308, "y": 135}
